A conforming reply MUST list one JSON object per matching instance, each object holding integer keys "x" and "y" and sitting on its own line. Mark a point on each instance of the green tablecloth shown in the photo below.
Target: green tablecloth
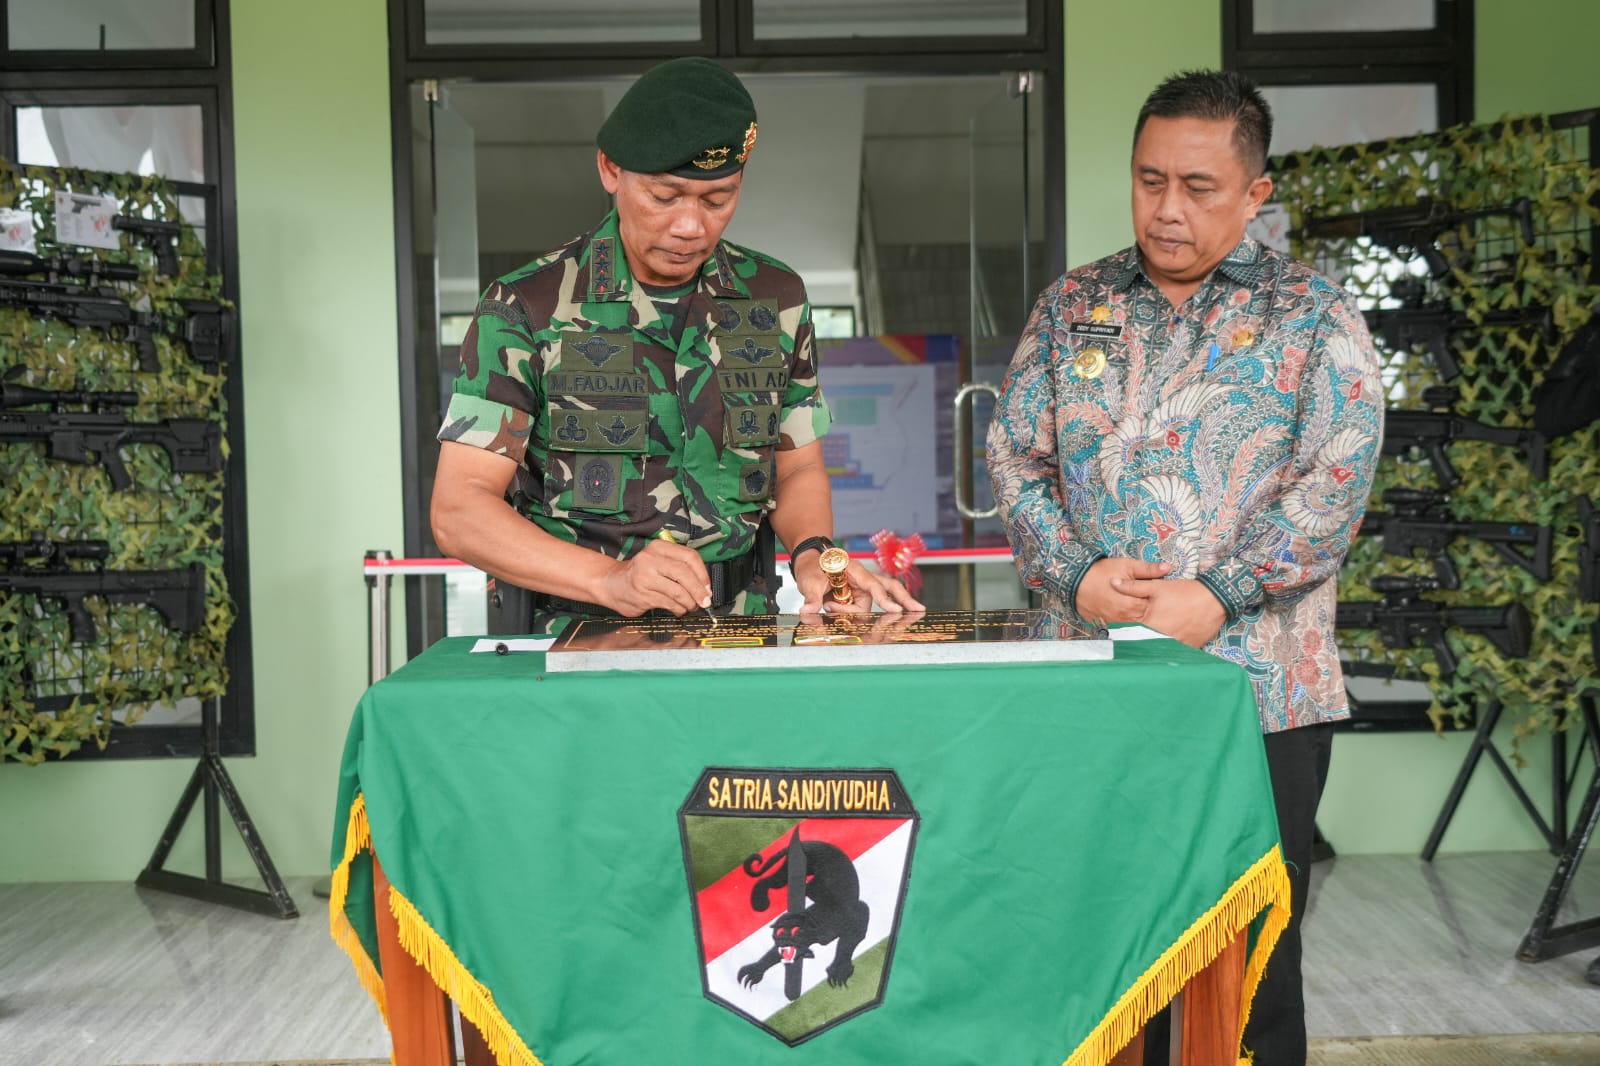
{"x": 1091, "y": 835}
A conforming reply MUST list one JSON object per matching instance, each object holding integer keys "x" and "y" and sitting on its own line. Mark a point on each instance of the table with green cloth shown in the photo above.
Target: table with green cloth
{"x": 1088, "y": 837}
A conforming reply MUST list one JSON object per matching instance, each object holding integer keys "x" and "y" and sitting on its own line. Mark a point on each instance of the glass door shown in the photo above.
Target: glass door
{"x": 1006, "y": 252}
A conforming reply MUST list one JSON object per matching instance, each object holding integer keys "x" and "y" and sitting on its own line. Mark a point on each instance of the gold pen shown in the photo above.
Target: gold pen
{"x": 671, "y": 538}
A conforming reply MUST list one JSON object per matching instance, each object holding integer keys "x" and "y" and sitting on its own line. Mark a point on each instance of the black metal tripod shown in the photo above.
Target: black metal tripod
{"x": 211, "y": 776}
{"x": 1545, "y": 939}
{"x": 1555, "y": 831}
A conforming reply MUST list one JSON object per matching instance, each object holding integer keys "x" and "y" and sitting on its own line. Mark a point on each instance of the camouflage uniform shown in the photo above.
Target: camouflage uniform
{"x": 623, "y": 430}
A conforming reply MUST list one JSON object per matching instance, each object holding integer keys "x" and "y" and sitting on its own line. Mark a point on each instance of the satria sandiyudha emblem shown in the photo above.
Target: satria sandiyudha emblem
{"x": 817, "y": 894}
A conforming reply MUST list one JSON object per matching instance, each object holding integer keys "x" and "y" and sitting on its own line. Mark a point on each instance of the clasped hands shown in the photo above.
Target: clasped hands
{"x": 1131, "y": 590}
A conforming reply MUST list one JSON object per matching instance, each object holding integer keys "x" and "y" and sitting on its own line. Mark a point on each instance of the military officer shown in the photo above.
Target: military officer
{"x": 637, "y": 408}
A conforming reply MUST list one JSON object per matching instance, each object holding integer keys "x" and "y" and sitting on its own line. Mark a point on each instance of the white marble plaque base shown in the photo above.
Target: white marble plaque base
{"x": 788, "y": 642}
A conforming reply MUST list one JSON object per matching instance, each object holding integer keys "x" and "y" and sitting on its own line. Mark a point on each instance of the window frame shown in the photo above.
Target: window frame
{"x": 1442, "y": 56}
{"x": 198, "y": 57}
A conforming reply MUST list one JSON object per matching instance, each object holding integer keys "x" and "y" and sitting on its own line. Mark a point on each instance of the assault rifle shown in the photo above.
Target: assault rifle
{"x": 1414, "y": 229}
{"x": 178, "y": 595}
{"x": 1417, "y": 321}
{"x": 160, "y": 237}
{"x": 26, "y": 264}
{"x": 1421, "y": 518}
{"x": 1589, "y": 555}
{"x": 1404, "y": 618}
{"x": 76, "y": 305}
{"x": 193, "y": 445}
{"x": 1406, "y": 430}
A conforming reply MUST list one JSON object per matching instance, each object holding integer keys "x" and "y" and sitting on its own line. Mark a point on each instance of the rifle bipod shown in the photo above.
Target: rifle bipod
{"x": 211, "y": 776}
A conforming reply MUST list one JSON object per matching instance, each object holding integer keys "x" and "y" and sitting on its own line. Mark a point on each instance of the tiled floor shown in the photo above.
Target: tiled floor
{"x": 108, "y": 975}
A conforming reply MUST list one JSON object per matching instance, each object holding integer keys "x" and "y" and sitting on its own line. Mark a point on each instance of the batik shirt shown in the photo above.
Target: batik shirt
{"x": 624, "y": 425}
{"x": 1233, "y": 437}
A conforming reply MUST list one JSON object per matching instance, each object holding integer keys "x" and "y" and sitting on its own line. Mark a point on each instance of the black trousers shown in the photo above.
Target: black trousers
{"x": 1297, "y": 760}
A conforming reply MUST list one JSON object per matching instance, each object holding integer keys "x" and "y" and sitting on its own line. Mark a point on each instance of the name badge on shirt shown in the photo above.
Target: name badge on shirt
{"x": 1093, "y": 329}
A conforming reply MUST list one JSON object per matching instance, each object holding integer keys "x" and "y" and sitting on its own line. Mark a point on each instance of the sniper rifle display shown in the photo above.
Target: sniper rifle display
{"x": 1406, "y": 430}
{"x": 1421, "y": 519}
{"x": 193, "y": 445}
{"x": 57, "y": 269}
{"x": 178, "y": 595}
{"x": 202, "y": 325}
{"x": 1405, "y": 618}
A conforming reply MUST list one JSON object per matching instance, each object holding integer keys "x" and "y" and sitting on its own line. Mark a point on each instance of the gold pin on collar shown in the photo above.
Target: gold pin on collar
{"x": 1089, "y": 363}
{"x": 1101, "y": 314}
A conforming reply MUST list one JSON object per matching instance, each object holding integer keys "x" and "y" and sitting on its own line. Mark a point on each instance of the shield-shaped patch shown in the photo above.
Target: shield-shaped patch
{"x": 797, "y": 879}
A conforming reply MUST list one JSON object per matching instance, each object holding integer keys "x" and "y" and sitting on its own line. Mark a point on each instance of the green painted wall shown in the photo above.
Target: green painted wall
{"x": 1536, "y": 57}
{"x": 318, "y": 326}
{"x": 1115, "y": 54}
{"x": 317, "y": 320}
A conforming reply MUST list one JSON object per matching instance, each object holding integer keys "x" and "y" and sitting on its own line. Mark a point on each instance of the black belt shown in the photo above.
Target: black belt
{"x": 729, "y": 577}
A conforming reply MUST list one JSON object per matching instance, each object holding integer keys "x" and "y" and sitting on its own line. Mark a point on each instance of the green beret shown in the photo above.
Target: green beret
{"x": 691, "y": 117}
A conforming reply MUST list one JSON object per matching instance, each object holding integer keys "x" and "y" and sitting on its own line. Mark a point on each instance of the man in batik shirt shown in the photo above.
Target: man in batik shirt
{"x": 647, "y": 394}
{"x": 1186, "y": 438}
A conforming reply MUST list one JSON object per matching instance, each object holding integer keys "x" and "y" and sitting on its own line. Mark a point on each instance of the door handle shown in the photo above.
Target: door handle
{"x": 963, "y": 445}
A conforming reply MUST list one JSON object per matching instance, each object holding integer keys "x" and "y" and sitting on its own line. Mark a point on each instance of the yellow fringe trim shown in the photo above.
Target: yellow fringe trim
{"x": 1265, "y": 884}
{"x": 475, "y": 1002}
{"x": 357, "y": 838}
{"x": 417, "y": 937}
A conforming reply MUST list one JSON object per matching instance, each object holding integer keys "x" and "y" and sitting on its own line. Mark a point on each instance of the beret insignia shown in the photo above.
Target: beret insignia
{"x": 749, "y": 143}
{"x": 712, "y": 158}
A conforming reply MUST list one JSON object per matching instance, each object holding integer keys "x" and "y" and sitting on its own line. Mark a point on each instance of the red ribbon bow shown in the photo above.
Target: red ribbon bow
{"x": 897, "y": 557}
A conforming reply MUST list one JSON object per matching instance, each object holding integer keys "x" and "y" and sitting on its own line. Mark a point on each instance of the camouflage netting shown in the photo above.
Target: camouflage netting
{"x": 56, "y": 695}
{"x": 1491, "y": 267}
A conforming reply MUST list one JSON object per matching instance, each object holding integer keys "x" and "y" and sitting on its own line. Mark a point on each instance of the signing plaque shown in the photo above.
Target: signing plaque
{"x": 695, "y": 642}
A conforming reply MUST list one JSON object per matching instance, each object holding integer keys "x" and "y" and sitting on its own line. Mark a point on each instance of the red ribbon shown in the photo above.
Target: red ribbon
{"x": 897, "y": 557}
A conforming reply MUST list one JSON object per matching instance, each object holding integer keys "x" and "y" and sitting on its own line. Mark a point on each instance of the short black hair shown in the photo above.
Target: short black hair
{"x": 1218, "y": 96}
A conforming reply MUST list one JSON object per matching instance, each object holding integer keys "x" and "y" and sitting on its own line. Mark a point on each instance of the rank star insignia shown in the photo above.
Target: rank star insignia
{"x": 1100, "y": 314}
{"x": 712, "y": 158}
{"x": 1089, "y": 363}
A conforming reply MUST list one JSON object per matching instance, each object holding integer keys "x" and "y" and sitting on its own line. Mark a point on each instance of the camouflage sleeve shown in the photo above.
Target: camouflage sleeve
{"x": 805, "y": 412}
{"x": 1025, "y": 468}
{"x": 1299, "y": 538}
{"x": 494, "y": 400}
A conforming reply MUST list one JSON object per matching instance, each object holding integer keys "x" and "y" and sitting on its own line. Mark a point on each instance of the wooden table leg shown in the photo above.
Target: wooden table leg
{"x": 1209, "y": 1011}
{"x": 1133, "y": 1054}
{"x": 474, "y": 1050}
{"x": 419, "y": 1014}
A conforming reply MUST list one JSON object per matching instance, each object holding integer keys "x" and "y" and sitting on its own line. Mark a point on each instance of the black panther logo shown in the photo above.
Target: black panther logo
{"x": 836, "y": 912}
